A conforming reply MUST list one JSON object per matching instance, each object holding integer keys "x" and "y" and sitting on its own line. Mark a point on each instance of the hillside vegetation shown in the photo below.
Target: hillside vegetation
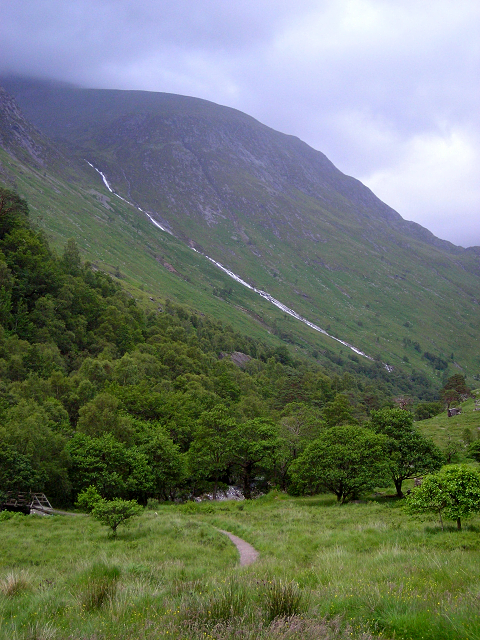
{"x": 96, "y": 390}
{"x": 275, "y": 212}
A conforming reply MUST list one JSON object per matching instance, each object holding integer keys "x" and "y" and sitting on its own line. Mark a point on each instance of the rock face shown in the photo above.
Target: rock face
{"x": 17, "y": 135}
{"x": 237, "y": 357}
{"x": 27, "y": 144}
{"x": 193, "y": 160}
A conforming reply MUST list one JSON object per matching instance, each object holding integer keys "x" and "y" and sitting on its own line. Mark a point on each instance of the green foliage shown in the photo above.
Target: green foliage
{"x": 454, "y": 492}
{"x": 96, "y": 391}
{"x": 88, "y": 499}
{"x": 409, "y": 454}
{"x": 167, "y": 465}
{"x": 113, "y": 513}
{"x": 345, "y": 460}
{"x": 339, "y": 411}
{"x": 253, "y": 445}
{"x": 211, "y": 450}
{"x": 458, "y": 383}
{"x": 109, "y": 465}
{"x": 364, "y": 570}
{"x": 16, "y": 471}
{"x": 473, "y": 450}
{"x": 425, "y": 410}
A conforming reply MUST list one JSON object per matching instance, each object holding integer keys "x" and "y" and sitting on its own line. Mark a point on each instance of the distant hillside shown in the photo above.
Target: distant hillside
{"x": 278, "y": 214}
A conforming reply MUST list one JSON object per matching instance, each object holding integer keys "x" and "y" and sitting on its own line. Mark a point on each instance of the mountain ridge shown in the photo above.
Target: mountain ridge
{"x": 278, "y": 213}
{"x": 121, "y": 104}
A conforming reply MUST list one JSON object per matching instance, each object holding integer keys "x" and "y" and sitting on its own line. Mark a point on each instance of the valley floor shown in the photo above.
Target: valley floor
{"x": 362, "y": 570}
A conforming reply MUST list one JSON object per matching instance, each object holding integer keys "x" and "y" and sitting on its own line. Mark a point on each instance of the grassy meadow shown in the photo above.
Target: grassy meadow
{"x": 363, "y": 570}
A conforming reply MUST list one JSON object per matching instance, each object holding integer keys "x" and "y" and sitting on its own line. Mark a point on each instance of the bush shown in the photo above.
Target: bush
{"x": 8, "y": 515}
{"x": 153, "y": 504}
{"x": 228, "y": 603}
{"x": 15, "y": 583}
{"x": 88, "y": 499}
{"x": 426, "y": 410}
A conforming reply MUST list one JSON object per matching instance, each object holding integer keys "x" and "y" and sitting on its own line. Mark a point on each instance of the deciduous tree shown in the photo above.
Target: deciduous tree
{"x": 345, "y": 460}
{"x": 454, "y": 492}
{"x": 409, "y": 453}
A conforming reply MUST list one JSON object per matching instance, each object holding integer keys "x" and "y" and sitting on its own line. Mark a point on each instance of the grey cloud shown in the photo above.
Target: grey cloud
{"x": 368, "y": 82}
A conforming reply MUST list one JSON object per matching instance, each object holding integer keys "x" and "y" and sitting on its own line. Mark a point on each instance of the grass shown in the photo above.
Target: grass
{"x": 362, "y": 570}
{"x": 384, "y": 297}
{"x": 445, "y": 431}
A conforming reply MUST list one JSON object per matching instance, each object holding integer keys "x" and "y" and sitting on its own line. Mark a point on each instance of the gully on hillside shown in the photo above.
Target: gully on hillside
{"x": 260, "y": 292}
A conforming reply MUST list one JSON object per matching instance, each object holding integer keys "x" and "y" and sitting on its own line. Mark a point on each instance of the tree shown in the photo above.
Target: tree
{"x": 71, "y": 260}
{"x": 299, "y": 425}
{"x": 211, "y": 451}
{"x": 450, "y": 396}
{"x": 110, "y": 466}
{"x": 430, "y": 497}
{"x": 113, "y": 513}
{"x": 102, "y": 415}
{"x": 339, "y": 411}
{"x": 345, "y": 460}
{"x": 425, "y": 410}
{"x": 474, "y": 450}
{"x": 454, "y": 491}
{"x": 252, "y": 443}
{"x": 409, "y": 453}
{"x": 459, "y": 383}
{"x": 166, "y": 463}
{"x": 17, "y": 472}
{"x": 13, "y": 211}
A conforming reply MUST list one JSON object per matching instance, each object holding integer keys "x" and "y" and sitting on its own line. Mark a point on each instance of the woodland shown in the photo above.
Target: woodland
{"x": 95, "y": 391}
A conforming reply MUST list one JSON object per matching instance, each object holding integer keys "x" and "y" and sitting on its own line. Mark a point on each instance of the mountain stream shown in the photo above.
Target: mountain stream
{"x": 260, "y": 292}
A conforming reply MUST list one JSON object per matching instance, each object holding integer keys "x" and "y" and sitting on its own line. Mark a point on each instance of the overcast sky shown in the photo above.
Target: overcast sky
{"x": 389, "y": 90}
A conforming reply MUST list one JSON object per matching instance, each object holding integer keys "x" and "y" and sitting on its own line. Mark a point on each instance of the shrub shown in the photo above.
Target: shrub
{"x": 8, "y": 515}
{"x": 153, "y": 504}
{"x": 454, "y": 491}
{"x": 88, "y": 499}
{"x": 228, "y": 603}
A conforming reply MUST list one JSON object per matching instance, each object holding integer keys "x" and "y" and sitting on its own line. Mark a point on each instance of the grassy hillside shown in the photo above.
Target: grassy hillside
{"x": 457, "y": 430}
{"x": 116, "y": 238}
{"x": 363, "y": 571}
{"x": 280, "y": 215}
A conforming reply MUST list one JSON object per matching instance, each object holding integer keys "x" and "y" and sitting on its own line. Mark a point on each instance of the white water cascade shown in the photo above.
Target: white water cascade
{"x": 260, "y": 292}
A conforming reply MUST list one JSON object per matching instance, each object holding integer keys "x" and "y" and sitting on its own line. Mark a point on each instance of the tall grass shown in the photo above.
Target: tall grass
{"x": 325, "y": 571}
{"x": 97, "y": 585}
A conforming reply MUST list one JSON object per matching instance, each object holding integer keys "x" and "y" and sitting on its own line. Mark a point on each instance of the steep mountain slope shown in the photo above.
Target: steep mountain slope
{"x": 66, "y": 200}
{"x": 280, "y": 215}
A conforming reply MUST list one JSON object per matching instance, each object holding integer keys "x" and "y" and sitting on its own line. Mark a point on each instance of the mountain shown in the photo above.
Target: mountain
{"x": 273, "y": 211}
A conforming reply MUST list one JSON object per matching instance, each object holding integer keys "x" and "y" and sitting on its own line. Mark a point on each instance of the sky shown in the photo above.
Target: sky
{"x": 389, "y": 90}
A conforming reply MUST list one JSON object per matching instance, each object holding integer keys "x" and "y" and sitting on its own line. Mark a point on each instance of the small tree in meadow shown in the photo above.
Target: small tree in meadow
{"x": 453, "y": 492}
{"x": 113, "y": 513}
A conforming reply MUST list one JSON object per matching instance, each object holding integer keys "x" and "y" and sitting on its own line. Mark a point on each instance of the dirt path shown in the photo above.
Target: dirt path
{"x": 248, "y": 554}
